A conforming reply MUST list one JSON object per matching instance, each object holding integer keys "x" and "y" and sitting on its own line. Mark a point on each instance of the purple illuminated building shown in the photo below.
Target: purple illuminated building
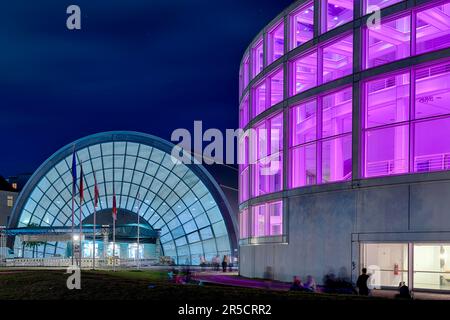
{"x": 364, "y": 117}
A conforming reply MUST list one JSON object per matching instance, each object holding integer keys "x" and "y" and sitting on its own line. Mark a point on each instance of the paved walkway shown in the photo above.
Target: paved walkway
{"x": 232, "y": 279}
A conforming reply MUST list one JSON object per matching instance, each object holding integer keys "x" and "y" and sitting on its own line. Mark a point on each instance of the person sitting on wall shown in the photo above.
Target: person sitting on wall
{"x": 296, "y": 284}
{"x": 403, "y": 291}
{"x": 361, "y": 283}
{"x": 178, "y": 279}
{"x": 310, "y": 284}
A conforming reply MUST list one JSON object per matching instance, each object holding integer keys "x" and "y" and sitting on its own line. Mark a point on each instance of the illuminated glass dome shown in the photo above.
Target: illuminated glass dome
{"x": 182, "y": 201}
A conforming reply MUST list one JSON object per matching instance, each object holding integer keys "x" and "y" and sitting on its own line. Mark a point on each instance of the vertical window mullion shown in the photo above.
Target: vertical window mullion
{"x": 319, "y": 117}
{"x": 412, "y": 40}
{"x": 319, "y": 68}
{"x": 412, "y": 116}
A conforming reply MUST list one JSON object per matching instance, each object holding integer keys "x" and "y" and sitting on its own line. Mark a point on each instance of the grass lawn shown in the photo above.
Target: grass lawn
{"x": 133, "y": 285}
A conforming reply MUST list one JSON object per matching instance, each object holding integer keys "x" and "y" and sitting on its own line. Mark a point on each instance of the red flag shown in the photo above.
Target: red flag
{"x": 96, "y": 193}
{"x": 81, "y": 186}
{"x": 114, "y": 211}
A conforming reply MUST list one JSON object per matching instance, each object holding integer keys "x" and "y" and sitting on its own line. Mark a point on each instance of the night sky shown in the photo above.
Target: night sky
{"x": 141, "y": 65}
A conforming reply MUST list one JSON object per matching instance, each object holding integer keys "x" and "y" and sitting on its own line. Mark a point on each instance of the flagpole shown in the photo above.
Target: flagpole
{"x": 81, "y": 213}
{"x": 114, "y": 244}
{"x": 95, "y": 222}
{"x": 73, "y": 222}
{"x": 138, "y": 248}
{"x": 96, "y": 197}
{"x": 74, "y": 168}
{"x": 81, "y": 234}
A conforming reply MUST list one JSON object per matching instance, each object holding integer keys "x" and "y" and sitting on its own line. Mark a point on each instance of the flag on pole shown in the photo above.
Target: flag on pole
{"x": 81, "y": 186}
{"x": 74, "y": 172}
{"x": 96, "y": 193}
{"x": 114, "y": 211}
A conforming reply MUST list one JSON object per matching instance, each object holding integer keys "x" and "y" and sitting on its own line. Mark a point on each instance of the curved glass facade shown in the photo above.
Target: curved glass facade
{"x": 182, "y": 201}
{"x": 352, "y": 100}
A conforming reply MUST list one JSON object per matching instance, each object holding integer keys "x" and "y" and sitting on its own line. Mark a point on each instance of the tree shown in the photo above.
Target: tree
{"x": 33, "y": 245}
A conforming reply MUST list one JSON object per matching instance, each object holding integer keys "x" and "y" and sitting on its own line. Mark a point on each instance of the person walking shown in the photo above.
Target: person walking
{"x": 224, "y": 263}
{"x": 361, "y": 283}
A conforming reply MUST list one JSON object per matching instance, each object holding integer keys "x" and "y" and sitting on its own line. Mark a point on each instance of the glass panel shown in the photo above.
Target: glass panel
{"x": 433, "y": 91}
{"x": 387, "y": 151}
{"x": 246, "y": 71}
{"x": 259, "y": 221}
{"x": 243, "y": 113}
{"x": 259, "y": 99}
{"x": 387, "y": 263}
{"x": 268, "y": 175}
{"x": 276, "y": 88}
{"x": 303, "y": 166}
{"x": 276, "y": 133}
{"x": 243, "y": 224}
{"x": 302, "y": 25}
{"x": 432, "y": 145}
{"x": 243, "y": 185}
{"x": 257, "y": 58}
{"x": 337, "y": 113}
{"x": 339, "y": 12}
{"x": 303, "y": 123}
{"x": 267, "y": 219}
{"x": 432, "y": 266}
{"x": 337, "y": 159}
{"x": 304, "y": 73}
{"x": 433, "y": 29}
{"x": 387, "y": 100}
{"x": 338, "y": 59}
{"x": 275, "y": 218}
{"x": 276, "y": 43}
{"x": 391, "y": 42}
{"x": 379, "y": 3}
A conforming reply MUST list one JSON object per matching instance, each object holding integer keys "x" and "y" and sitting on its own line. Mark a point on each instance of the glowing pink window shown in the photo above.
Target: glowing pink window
{"x": 337, "y": 113}
{"x": 243, "y": 184}
{"x": 339, "y": 12}
{"x": 433, "y": 29}
{"x": 267, "y": 219}
{"x": 379, "y": 3}
{"x": 303, "y": 123}
{"x": 432, "y": 145}
{"x": 243, "y": 113}
{"x": 259, "y": 99}
{"x": 257, "y": 58}
{"x": 276, "y": 133}
{"x": 267, "y": 171}
{"x": 303, "y": 166}
{"x": 243, "y": 224}
{"x": 338, "y": 59}
{"x": 301, "y": 25}
{"x": 262, "y": 133}
{"x": 386, "y": 151}
{"x": 268, "y": 175}
{"x": 387, "y": 100}
{"x": 391, "y": 42}
{"x": 432, "y": 90}
{"x": 276, "y": 88}
{"x": 337, "y": 159}
{"x": 245, "y": 71}
{"x": 304, "y": 72}
{"x": 243, "y": 169}
{"x": 275, "y": 43}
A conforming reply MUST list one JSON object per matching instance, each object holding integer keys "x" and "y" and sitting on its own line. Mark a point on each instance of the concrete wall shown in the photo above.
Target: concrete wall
{"x": 326, "y": 228}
